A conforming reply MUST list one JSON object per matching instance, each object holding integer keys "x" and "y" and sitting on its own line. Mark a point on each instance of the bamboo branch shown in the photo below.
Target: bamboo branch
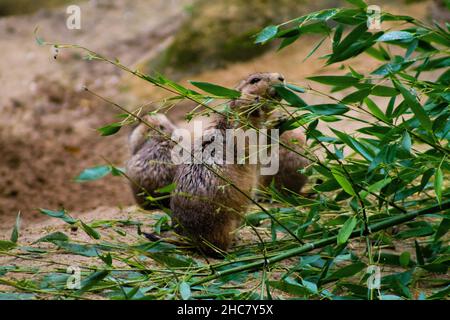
{"x": 324, "y": 242}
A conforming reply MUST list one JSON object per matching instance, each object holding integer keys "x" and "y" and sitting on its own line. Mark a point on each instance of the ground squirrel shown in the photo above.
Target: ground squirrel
{"x": 204, "y": 207}
{"x": 150, "y": 166}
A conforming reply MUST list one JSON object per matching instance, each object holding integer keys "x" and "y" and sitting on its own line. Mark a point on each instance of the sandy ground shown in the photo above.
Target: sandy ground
{"x": 47, "y": 126}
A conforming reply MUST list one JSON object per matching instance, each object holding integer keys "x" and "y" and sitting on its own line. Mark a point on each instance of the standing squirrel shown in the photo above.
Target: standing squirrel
{"x": 150, "y": 166}
{"x": 206, "y": 207}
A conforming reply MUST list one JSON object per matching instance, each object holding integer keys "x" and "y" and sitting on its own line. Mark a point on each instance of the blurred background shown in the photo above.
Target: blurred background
{"x": 48, "y": 123}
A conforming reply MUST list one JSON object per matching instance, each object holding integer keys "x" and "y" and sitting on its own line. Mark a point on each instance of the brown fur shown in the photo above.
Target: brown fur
{"x": 290, "y": 163}
{"x": 150, "y": 166}
{"x": 204, "y": 206}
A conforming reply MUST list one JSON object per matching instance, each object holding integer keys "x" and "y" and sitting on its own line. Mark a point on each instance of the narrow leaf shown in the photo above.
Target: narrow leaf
{"x": 266, "y": 34}
{"x": 438, "y": 180}
{"x": 93, "y": 173}
{"x": 342, "y": 180}
{"x": 15, "y": 232}
{"x": 217, "y": 90}
{"x": 346, "y": 230}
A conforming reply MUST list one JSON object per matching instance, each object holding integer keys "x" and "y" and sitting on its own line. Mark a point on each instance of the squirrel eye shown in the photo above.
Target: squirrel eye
{"x": 254, "y": 80}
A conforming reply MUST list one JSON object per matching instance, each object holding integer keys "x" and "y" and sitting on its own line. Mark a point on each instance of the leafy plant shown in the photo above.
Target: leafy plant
{"x": 384, "y": 184}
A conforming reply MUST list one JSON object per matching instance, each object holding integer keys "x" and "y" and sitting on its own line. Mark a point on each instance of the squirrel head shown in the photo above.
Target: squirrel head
{"x": 255, "y": 90}
{"x": 260, "y": 84}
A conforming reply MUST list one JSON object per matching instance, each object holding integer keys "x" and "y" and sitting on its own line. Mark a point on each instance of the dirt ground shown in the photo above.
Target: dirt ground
{"x": 47, "y": 122}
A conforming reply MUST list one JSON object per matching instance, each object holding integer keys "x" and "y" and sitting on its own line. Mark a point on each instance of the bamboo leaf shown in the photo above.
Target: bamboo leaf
{"x": 395, "y": 36}
{"x": 185, "y": 291}
{"x": 335, "y": 80}
{"x": 346, "y": 230}
{"x": 62, "y": 214}
{"x": 55, "y": 236}
{"x": 443, "y": 228}
{"x": 90, "y": 231}
{"x": 93, "y": 173}
{"x": 290, "y": 97}
{"x": 328, "y": 109}
{"x": 15, "y": 232}
{"x": 266, "y": 34}
{"x": 343, "y": 182}
{"x": 415, "y": 106}
{"x": 217, "y": 90}
{"x": 375, "y": 110}
{"x": 438, "y": 180}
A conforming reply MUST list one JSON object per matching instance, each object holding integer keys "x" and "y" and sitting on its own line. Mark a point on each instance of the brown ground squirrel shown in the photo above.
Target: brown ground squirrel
{"x": 150, "y": 166}
{"x": 205, "y": 207}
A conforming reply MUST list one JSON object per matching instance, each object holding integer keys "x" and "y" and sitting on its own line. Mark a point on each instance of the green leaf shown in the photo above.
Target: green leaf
{"x": 440, "y": 294}
{"x": 174, "y": 260}
{"x": 346, "y": 230}
{"x": 80, "y": 249}
{"x": 396, "y": 35}
{"x": 110, "y": 129}
{"x": 94, "y": 278}
{"x": 167, "y": 189}
{"x": 62, "y": 214}
{"x": 16, "y": 296}
{"x": 335, "y": 80}
{"x": 217, "y": 90}
{"x": 40, "y": 41}
{"x": 290, "y": 286}
{"x": 90, "y": 231}
{"x": 347, "y": 271}
{"x": 15, "y": 232}
{"x": 266, "y": 34}
{"x": 443, "y": 228}
{"x": 93, "y": 173}
{"x": 317, "y": 46}
{"x": 185, "y": 291}
{"x": 328, "y": 109}
{"x": 375, "y": 110}
{"x": 55, "y": 236}
{"x": 356, "y": 42}
{"x": 419, "y": 253}
{"x": 379, "y": 54}
{"x": 405, "y": 258}
{"x": 415, "y": 106}
{"x": 415, "y": 233}
{"x": 406, "y": 142}
{"x": 293, "y": 99}
{"x": 356, "y": 96}
{"x": 295, "y": 88}
{"x": 354, "y": 144}
{"x": 342, "y": 180}
{"x": 6, "y": 245}
{"x": 438, "y": 180}
{"x": 107, "y": 259}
